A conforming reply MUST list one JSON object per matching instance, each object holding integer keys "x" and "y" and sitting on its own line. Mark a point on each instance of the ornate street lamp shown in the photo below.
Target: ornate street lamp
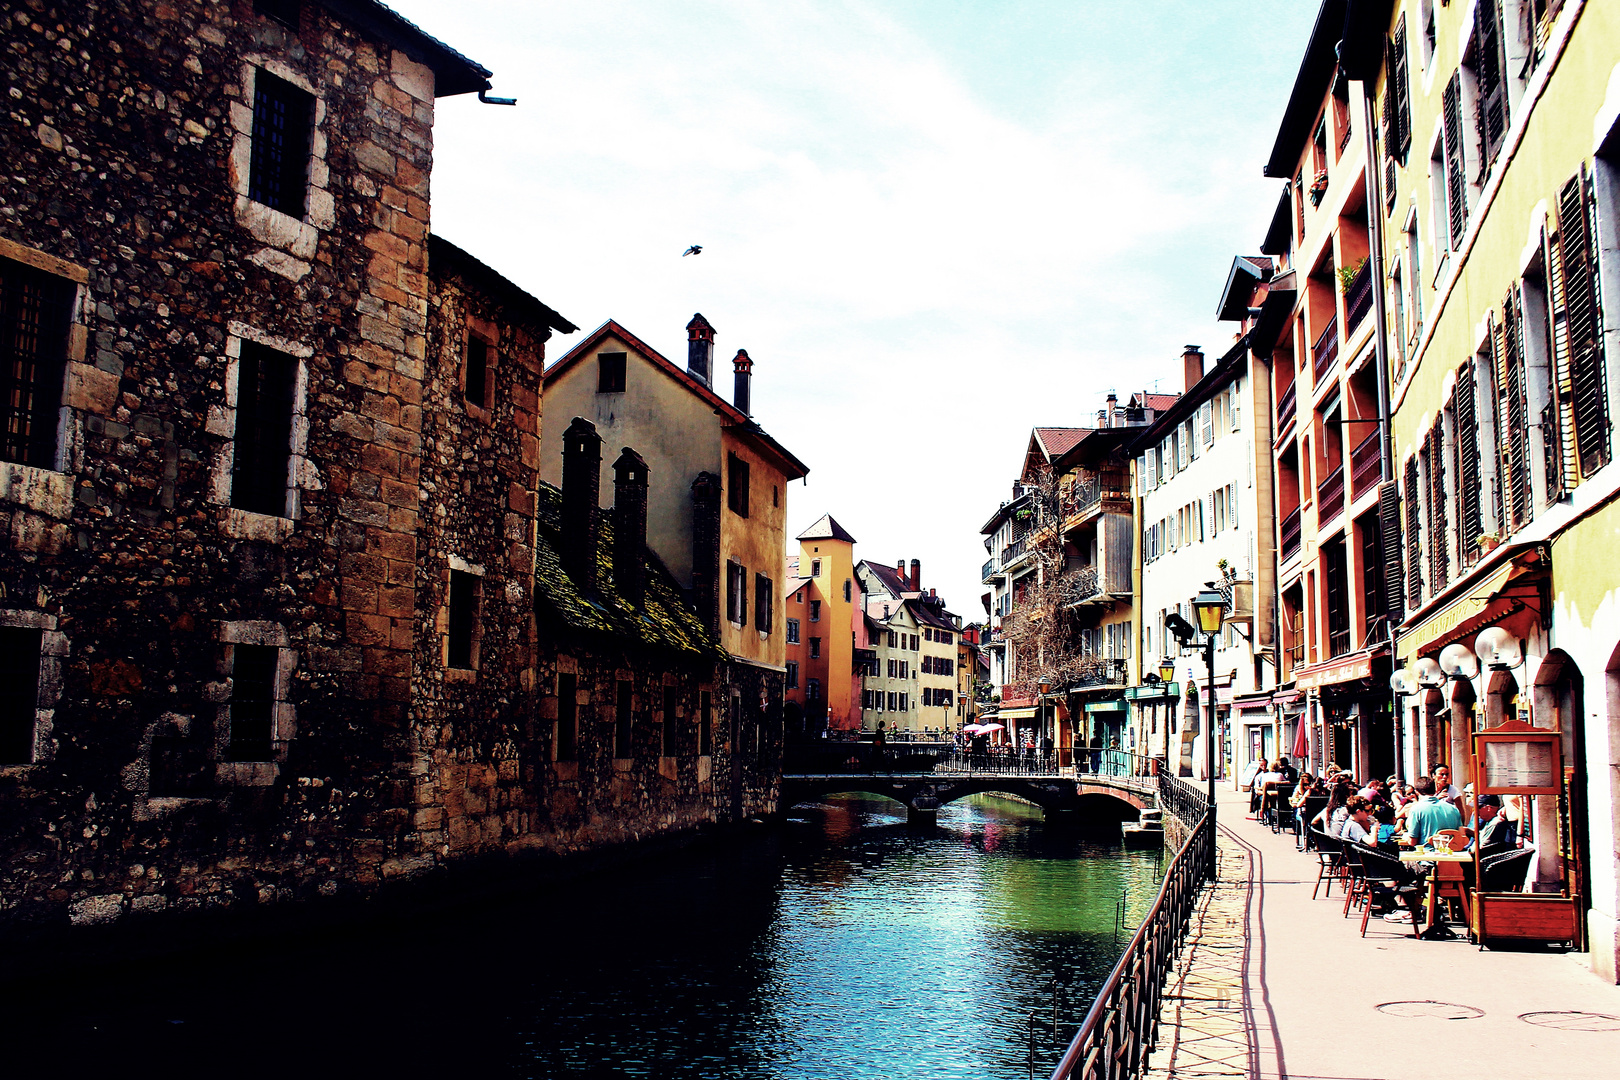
{"x": 1167, "y": 669}
{"x": 1209, "y": 607}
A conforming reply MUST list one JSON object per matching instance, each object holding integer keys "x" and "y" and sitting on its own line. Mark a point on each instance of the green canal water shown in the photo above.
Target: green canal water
{"x": 843, "y": 945}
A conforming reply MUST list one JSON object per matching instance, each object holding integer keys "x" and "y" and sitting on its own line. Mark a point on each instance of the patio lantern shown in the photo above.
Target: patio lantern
{"x": 1403, "y": 682}
{"x": 1428, "y": 673}
{"x": 1210, "y": 607}
{"x": 1458, "y": 661}
{"x": 1499, "y": 649}
{"x": 1167, "y": 669}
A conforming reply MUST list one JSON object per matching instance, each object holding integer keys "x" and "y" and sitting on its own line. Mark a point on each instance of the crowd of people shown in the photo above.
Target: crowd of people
{"x": 1385, "y": 816}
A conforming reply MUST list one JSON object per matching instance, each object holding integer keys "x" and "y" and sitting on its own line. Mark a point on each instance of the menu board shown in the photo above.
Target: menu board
{"x": 1520, "y": 764}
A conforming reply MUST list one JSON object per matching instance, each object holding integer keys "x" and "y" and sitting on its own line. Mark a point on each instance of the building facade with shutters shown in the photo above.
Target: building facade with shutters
{"x": 824, "y": 630}
{"x": 1503, "y": 206}
{"x": 1333, "y": 651}
{"x": 1203, "y": 480}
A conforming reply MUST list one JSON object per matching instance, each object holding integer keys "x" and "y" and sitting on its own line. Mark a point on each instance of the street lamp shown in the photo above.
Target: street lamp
{"x": 1210, "y": 608}
{"x": 1042, "y": 686}
{"x": 1167, "y": 669}
{"x": 1167, "y": 675}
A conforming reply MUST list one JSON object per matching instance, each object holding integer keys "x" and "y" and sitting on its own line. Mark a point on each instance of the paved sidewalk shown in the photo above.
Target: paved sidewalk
{"x": 1276, "y": 985}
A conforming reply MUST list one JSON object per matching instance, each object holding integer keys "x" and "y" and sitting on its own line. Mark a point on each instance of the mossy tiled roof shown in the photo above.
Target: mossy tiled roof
{"x": 664, "y": 622}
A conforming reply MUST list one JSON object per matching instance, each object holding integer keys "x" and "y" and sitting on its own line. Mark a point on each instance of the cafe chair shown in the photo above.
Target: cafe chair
{"x": 1307, "y": 812}
{"x": 1351, "y": 873}
{"x": 1506, "y": 872}
{"x": 1282, "y": 818}
{"x": 1384, "y": 881}
{"x": 1329, "y": 856}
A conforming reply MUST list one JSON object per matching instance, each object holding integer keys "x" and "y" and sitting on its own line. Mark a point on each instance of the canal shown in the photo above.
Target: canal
{"x": 843, "y": 945}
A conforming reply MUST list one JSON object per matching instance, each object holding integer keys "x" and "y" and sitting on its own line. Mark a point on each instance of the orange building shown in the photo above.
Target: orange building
{"x": 821, "y": 612}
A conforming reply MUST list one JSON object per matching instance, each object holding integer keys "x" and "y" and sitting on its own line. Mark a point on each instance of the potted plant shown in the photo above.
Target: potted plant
{"x": 1319, "y": 187}
{"x": 1348, "y": 274}
{"x": 1488, "y": 542}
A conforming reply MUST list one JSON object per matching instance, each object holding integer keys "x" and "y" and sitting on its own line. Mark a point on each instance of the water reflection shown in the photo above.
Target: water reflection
{"x": 844, "y": 945}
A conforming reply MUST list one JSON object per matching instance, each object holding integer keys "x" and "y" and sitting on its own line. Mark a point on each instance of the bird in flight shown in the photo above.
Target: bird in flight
{"x": 695, "y": 249}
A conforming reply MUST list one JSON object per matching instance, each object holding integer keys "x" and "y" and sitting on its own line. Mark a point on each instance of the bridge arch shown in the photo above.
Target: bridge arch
{"x": 1101, "y": 799}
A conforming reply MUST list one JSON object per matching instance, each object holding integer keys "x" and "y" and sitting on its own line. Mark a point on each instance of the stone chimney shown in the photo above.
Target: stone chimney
{"x": 916, "y": 576}
{"x": 581, "y": 492}
{"x": 630, "y": 526}
{"x": 706, "y": 549}
{"x": 1192, "y": 366}
{"x": 700, "y": 348}
{"x": 743, "y": 368}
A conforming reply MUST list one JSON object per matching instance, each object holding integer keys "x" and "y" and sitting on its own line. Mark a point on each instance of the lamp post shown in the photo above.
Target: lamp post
{"x": 1167, "y": 675}
{"x": 1210, "y": 608}
{"x": 1042, "y": 687}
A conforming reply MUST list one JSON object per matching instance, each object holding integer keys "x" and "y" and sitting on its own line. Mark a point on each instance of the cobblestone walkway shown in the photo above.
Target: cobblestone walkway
{"x": 1204, "y": 1026}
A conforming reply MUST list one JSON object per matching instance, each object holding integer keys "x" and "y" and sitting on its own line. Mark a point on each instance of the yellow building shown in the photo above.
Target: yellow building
{"x": 1501, "y": 213}
{"x": 821, "y": 612}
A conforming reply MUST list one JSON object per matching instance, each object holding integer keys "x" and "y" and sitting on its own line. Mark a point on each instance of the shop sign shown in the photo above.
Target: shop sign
{"x": 1347, "y": 670}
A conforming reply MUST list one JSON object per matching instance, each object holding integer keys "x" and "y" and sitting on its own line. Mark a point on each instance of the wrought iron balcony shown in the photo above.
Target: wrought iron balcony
{"x": 1330, "y": 496}
{"x": 1014, "y": 550}
{"x": 1287, "y": 403}
{"x": 1288, "y": 536}
{"x": 1358, "y": 298}
{"x": 1365, "y": 462}
{"x": 1326, "y": 349}
{"x": 1103, "y": 671}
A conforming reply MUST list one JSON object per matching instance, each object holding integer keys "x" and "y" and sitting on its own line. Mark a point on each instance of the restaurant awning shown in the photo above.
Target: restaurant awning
{"x": 1009, "y": 715}
{"x": 1117, "y": 705}
{"x": 1152, "y": 692}
{"x": 1340, "y": 669}
{"x": 1496, "y": 598}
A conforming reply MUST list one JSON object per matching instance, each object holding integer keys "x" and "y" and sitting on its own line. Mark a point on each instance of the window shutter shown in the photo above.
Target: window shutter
{"x": 1108, "y": 645}
{"x": 1206, "y": 418}
{"x": 1389, "y": 527}
{"x": 1414, "y": 539}
{"x": 1585, "y": 324}
{"x": 1456, "y": 180}
{"x": 1468, "y": 481}
{"x": 1237, "y": 407}
{"x": 1558, "y": 430}
{"x": 1490, "y": 62}
{"x": 1398, "y": 126}
{"x": 1439, "y": 531}
{"x": 1231, "y": 505}
{"x": 1206, "y": 527}
{"x": 1512, "y": 410}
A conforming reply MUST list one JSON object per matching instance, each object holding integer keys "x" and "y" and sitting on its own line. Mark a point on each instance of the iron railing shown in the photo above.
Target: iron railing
{"x": 1014, "y": 550}
{"x": 1288, "y": 535}
{"x": 1326, "y": 349}
{"x": 1365, "y": 463}
{"x": 1330, "y": 496}
{"x": 1078, "y": 761}
{"x": 1122, "y": 1027}
{"x": 1358, "y": 297}
{"x": 1287, "y": 404}
{"x": 1104, "y": 671}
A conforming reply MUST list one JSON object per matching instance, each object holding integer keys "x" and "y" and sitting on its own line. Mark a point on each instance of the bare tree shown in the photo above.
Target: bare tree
{"x": 1040, "y": 628}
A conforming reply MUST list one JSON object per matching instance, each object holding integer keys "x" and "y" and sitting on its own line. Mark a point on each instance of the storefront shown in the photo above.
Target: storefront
{"x": 1154, "y": 732}
{"x": 1348, "y": 706}
{"x": 1256, "y": 732}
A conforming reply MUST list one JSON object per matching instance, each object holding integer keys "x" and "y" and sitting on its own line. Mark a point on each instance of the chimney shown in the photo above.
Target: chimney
{"x": 900, "y": 570}
{"x": 1113, "y": 409}
{"x": 744, "y": 368}
{"x": 706, "y": 549}
{"x": 630, "y": 526}
{"x": 1192, "y": 366}
{"x": 916, "y": 576}
{"x": 581, "y": 491}
{"x": 699, "y": 347}
{"x": 1102, "y": 418}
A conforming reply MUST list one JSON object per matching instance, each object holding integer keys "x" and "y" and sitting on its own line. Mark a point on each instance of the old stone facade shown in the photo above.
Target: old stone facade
{"x": 255, "y": 530}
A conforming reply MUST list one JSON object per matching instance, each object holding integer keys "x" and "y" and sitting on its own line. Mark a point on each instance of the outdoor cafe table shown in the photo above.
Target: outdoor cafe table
{"x": 1447, "y": 879}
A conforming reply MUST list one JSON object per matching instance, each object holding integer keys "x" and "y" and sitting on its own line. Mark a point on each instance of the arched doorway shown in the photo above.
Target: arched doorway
{"x": 1561, "y": 827}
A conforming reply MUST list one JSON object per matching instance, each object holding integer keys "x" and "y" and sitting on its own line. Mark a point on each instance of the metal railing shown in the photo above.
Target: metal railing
{"x": 1365, "y": 462}
{"x": 1104, "y": 671}
{"x": 1326, "y": 349}
{"x": 1122, "y": 1027}
{"x": 1014, "y": 550}
{"x": 1081, "y": 761}
{"x": 1358, "y": 297}
{"x": 1287, "y": 404}
{"x": 1288, "y": 535}
{"x": 1330, "y": 496}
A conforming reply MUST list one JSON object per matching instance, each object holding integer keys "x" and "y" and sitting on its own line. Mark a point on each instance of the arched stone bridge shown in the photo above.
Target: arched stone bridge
{"x": 1104, "y": 797}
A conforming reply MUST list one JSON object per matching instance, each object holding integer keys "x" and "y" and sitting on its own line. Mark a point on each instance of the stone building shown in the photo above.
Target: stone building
{"x": 269, "y": 487}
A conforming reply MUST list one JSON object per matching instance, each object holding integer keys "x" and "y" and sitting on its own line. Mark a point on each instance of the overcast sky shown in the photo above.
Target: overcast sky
{"x": 932, "y": 224}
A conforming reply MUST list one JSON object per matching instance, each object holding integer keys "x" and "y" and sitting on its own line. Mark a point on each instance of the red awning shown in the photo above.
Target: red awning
{"x": 1341, "y": 669}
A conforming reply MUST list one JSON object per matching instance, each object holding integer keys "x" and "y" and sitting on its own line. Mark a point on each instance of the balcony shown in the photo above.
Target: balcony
{"x": 1338, "y": 642}
{"x": 865, "y": 661}
{"x": 1326, "y": 350}
{"x": 1366, "y": 461}
{"x": 1330, "y": 496}
{"x": 1101, "y": 671}
{"x": 1014, "y": 551}
{"x": 1089, "y": 492}
{"x": 1358, "y": 298}
{"x": 1288, "y": 536}
{"x": 989, "y": 570}
{"x": 1287, "y": 404}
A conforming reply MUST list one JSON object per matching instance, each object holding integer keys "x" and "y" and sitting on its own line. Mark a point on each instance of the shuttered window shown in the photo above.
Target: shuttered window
{"x": 1398, "y": 97}
{"x": 1469, "y": 522}
{"x": 1511, "y": 411}
{"x": 1389, "y": 527}
{"x": 1456, "y": 178}
{"x": 1490, "y": 63}
{"x": 1435, "y": 459}
{"x": 1577, "y": 257}
{"x": 1414, "y": 538}
{"x": 1557, "y": 426}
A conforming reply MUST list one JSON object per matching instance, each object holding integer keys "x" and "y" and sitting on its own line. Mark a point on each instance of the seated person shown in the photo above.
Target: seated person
{"x": 1383, "y": 836}
{"x": 1253, "y": 784}
{"x": 1374, "y": 791}
{"x": 1430, "y": 814}
{"x": 1495, "y": 831}
{"x": 1358, "y": 822}
{"x": 1289, "y": 773}
{"x": 1268, "y": 774}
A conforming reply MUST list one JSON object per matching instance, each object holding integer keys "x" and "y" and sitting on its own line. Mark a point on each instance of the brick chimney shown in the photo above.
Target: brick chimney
{"x": 1113, "y": 409}
{"x": 1192, "y": 366}
{"x": 581, "y": 491}
{"x": 706, "y": 549}
{"x": 743, "y": 369}
{"x": 916, "y": 576}
{"x": 700, "y": 347}
{"x": 630, "y": 526}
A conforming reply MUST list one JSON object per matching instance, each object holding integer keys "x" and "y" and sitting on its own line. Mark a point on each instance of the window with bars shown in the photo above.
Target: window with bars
{"x": 1577, "y": 254}
{"x": 266, "y": 383}
{"x": 793, "y": 631}
{"x": 815, "y": 648}
{"x": 21, "y": 649}
{"x": 35, "y": 310}
{"x": 278, "y": 166}
{"x": 253, "y": 702}
{"x": 567, "y": 742}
